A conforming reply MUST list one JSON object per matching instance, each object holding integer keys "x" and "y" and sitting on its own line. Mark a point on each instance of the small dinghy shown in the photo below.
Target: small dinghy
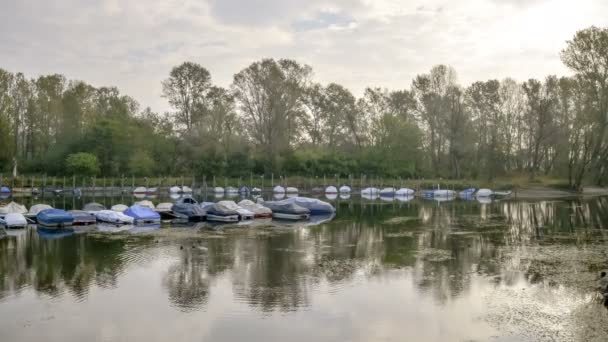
{"x": 405, "y": 192}
{"x": 316, "y": 206}
{"x": 220, "y": 212}
{"x": 142, "y": 215}
{"x": 189, "y": 211}
{"x": 258, "y": 210}
{"x": 82, "y": 218}
{"x": 114, "y": 217}
{"x": 175, "y": 190}
{"x": 13, "y": 208}
{"x": 291, "y": 190}
{"x": 387, "y": 192}
{"x": 331, "y": 190}
{"x": 287, "y": 210}
{"x": 278, "y": 189}
{"x": 55, "y": 218}
{"x": 484, "y": 193}
{"x": 140, "y": 190}
{"x": 119, "y": 208}
{"x": 13, "y": 221}
{"x": 186, "y": 190}
{"x": 37, "y": 208}
{"x": 145, "y": 203}
{"x": 92, "y": 207}
{"x": 345, "y": 189}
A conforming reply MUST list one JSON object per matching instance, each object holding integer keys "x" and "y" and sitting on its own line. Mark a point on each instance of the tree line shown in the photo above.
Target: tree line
{"x": 275, "y": 118}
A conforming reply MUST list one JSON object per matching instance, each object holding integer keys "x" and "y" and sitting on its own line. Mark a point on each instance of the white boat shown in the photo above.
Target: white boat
{"x": 444, "y": 193}
{"x": 387, "y": 192}
{"x": 140, "y": 190}
{"x": 370, "y": 191}
{"x": 484, "y": 193}
{"x": 35, "y": 209}
{"x": 14, "y": 221}
{"x": 111, "y": 216}
{"x": 331, "y": 190}
{"x": 218, "y": 190}
{"x": 232, "y": 190}
{"x": 164, "y": 207}
{"x": 151, "y": 191}
{"x": 278, "y": 189}
{"x": 186, "y": 190}
{"x": 175, "y": 190}
{"x": 405, "y": 192}
{"x": 256, "y": 190}
{"x": 258, "y": 210}
{"x": 243, "y": 214}
{"x": 345, "y": 189}
{"x": 119, "y": 208}
{"x": 13, "y": 208}
{"x": 291, "y": 190}
{"x": 146, "y": 203}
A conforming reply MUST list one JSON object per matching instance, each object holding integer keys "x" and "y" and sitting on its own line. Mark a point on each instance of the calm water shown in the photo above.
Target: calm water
{"x": 379, "y": 271}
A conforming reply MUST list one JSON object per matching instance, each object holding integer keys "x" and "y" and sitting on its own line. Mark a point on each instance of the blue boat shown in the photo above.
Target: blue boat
{"x": 467, "y": 194}
{"x": 142, "y": 215}
{"x": 55, "y": 218}
{"x": 5, "y": 190}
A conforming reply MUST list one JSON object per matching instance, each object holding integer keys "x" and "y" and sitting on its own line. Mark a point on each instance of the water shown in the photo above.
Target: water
{"x": 379, "y": 271}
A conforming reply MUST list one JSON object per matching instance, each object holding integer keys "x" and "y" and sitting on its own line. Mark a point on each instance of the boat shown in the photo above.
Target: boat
{"x": 218, "y": 190}
{"x": 405, "y": 192}
{"x": 231, "y": 190}
{"x": 119, "y": 208}
{"x": 244, "y": 191}
{"x": 278, "y": 189}
{"x": 91, "y": 207}
{"x": 82, "y": 218}
{"x": 287, "y": 210}
{"x": 256, "y": 190}
{"x": 243, "y": 213}
{"x": 13, "y": 207}
{"x": 484, "y": 193}
{"x": 502, "y": 193}
{"x": 164, "y": 207}
{"x": 5, "y": 190}
{"x": 55, "y": 218}
{"x": 316, "y": 206}
{"x": 145, "y": 203}
{"x": 206, "y": 205}
{"x": 151, "y": 191}
{"x": 140, "y": 190}
{"x": 220, "y": 212}
{"x": 13, "y": 221}
{"x": 345, "y": 189}
{"x": 111, "y": 216}
{"x": 142, "y": 215}
{"x": 35, "y": 209}
{"x": 258, "y": 210}
{"x": 291, "y": 190}
{"x": 189, "y": 211}
{"x": 175, "y": 190}
{"x": 444, "y": 193}
{"x": 387, "y": 192}
{"x": 186, "y": 190}
{"x": 467, "y": 193}
{"x": 331, "y": 190}
{"x": 370, "y": 191}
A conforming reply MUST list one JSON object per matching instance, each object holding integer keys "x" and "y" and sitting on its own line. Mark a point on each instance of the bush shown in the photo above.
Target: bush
{"x": 82, "y": 164}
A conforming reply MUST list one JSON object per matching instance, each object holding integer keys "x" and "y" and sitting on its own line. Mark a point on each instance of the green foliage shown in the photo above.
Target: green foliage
{"x": 82, "y": 164}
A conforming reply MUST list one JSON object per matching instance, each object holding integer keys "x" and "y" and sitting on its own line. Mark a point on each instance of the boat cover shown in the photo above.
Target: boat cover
{"x": 331, "y": 190}
{"x": 244, "y": 190}
{"x": 256, "y": 208}
{"x": 13, "y": 208}
{"x": 444, "y": 193}
{"x": 370, "y": 191}
{"x": 186, "y": 190}
{"x": 206, "y": 205}
{"x": 164, "y": 207}
{"x": 188, "y": 210}
{"x": 278, "y": 189}
{"x": 345, "y": 189}
{"x": 316, "y": 206}
{"x": 145, "y": 203}
{"x": 5, "y": 190}
{"x": 256, "y": 190}
{"x": 484, "y": 193}
{"x": 119, "y": 207}
{"x": 54, "y": 217}
{"x": 287, "y": 206}
{"x": 140, "y": 213}
{"x": 405, "y": 192}
{"x": 291, "y": 190}
{"x": 82, "y": 217}
{"x": 232, "y": 190}
{"x": 218, "y": 190}
{"x": 15, "y": 220}
{"x": 223, "y": 208}
{"x": 93, "y": 207}
{"x": 175, "y": 189}
{"x": 140, "y": 190}
{"x": 113, "y": 217}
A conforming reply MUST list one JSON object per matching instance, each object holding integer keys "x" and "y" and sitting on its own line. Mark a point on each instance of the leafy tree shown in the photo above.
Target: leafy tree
{"x": 82, "y": 164}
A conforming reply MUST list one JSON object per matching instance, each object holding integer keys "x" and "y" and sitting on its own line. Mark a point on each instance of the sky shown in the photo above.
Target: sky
{"x": 133, "y": 44}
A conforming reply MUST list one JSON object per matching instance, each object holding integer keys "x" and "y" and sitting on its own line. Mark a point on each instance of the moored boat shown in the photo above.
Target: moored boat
{"x": 287, "y": 210}
{"x": 91, "y": 207}
{"x": 220, "y": 212}
{"x": 142, "y": 215}
{"x": 484, "y": 193}
{"x": 387, "y": 192}
{"x": 140, "y": 190}
{"x": 13, "y": 221}
{"x": 114, "y": 217}
{"x": 345, "y": 189}
{"x": 145, "y": 203}
{"x": 189, "y": 211}
{"x": 55, "y": 218}
{"x": 405, "y": 192}
{"x": 119, "y": 207}
{"x": 331, "y": 190}
{"x": 259, "y": 211}
{"x": 82, "y": 218}
{"x": 13, "y": 207}
{"x": 278, "y": 189}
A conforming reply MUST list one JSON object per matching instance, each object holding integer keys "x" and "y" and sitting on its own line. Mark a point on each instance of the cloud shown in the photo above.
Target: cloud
{"x": 357, "y": 43}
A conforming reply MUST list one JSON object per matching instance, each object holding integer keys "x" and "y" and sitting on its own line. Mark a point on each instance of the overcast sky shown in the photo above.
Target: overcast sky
{"x": 133, "y": 44}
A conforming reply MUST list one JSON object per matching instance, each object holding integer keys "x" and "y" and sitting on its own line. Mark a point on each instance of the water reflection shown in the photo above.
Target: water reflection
{"x": 442, "y": 253}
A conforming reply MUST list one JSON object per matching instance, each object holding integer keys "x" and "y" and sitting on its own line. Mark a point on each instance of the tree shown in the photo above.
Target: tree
{"x": 82, "y": 164}
{"x": 186, "y": 90}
